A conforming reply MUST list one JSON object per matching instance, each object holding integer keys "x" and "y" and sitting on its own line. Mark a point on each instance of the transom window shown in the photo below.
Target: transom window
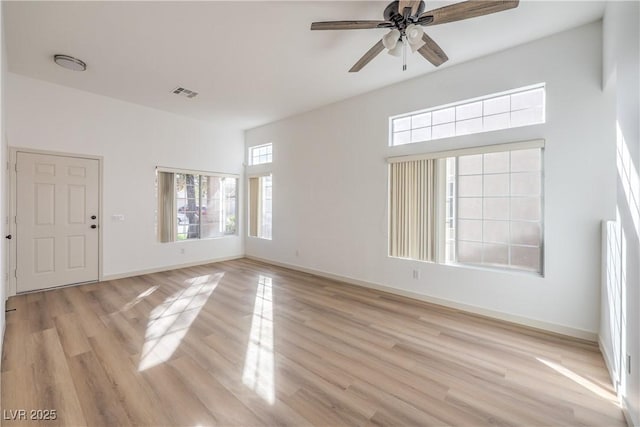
{"x": 261, "y": 154}
{"x": 519, "y": 107}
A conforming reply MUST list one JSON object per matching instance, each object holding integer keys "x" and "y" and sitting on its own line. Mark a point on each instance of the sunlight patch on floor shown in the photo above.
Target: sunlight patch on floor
{"x": 128, "y": 306}
{"x": 589, "y": 385}
{"x": 258, "y": 372}
{"x": 170, "y": 321}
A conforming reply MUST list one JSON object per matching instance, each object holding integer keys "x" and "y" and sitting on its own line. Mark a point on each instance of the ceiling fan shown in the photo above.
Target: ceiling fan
{"x": 405, "y": 19}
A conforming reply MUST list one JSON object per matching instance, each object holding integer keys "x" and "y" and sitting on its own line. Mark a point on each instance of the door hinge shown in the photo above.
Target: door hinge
{"x": 15, "y": 273}
{"x": 16, "y": 167}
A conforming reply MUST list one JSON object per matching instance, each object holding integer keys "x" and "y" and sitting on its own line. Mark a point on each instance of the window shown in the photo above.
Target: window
{"x": 261, "y": 154}
{"x": 497, "y": 214}
{"x": 480, "y": 206}
{"x": 260, "y": 207}
{"x": 260, "y": 189}
{"x": 195, "y": 206}
{"x": 519, "y": 107}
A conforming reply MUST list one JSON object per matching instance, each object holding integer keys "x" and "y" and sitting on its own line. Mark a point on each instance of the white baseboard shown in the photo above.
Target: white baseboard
{"x": 166, "y": 268}
{"x": 524, "y": 321}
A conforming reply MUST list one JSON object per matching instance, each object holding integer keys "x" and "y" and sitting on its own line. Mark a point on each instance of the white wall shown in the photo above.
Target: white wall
{"x": 132, "y": 140}
{"x": 330, "y": 184}
{"x": 621, "y": 82}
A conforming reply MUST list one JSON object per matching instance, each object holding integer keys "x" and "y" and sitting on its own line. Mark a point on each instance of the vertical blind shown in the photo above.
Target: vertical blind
{"x": 166, "y": 217}
{"x": 412, "y": 209}
{"x": 254, "y": 206}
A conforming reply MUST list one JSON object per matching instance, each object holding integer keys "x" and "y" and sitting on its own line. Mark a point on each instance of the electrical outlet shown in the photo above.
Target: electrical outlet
{"x": 416, "y": 274}
{"x": 182, "y": 251}
{"x": 297, "y": 252}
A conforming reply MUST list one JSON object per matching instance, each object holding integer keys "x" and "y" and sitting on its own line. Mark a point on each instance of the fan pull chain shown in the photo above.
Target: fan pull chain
{"x": 404, "y": 55}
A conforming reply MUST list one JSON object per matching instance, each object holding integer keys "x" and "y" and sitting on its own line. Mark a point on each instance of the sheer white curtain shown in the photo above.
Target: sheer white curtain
{"x": 412, "y": 209}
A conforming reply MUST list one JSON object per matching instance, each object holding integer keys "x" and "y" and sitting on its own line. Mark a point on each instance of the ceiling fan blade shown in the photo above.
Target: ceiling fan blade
{"x": 465, "y": 10}
{"x": 413, "y": 4}
{"x": 367, "y": 57}
{"x": 350, "y": 25}
{"x": 432, "y": 52}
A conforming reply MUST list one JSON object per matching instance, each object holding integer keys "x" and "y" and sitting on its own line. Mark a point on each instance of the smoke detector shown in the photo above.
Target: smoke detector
{"x": 69, "y": 62}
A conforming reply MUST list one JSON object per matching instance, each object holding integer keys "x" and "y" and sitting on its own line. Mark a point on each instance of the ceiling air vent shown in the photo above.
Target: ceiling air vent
{"x": 185, "y": 92}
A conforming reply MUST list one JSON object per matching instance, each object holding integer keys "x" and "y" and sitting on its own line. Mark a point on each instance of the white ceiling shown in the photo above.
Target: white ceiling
{"x": 251, "y": 62}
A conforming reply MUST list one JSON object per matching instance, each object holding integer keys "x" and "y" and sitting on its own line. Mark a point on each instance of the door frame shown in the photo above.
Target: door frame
{"x": 12, "y": 204}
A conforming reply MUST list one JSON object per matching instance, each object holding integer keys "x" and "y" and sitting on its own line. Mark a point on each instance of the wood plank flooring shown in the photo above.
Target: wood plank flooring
{"x": 246, "y": 343}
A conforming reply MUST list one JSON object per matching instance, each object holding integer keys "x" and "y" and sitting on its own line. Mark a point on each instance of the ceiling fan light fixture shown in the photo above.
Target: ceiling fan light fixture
{"x": 416, "y": 46}
{"x": 414, "y": 32}
{"x": 69, "y": 62}
{"x": 397, "y": 49}
{"x": 414, "y": 37}
{"x": 390, "y": 40}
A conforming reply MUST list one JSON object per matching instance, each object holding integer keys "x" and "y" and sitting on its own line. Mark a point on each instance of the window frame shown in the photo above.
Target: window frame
{"x": 200, "y": 173}
{"x": 441, "y": 183}
{"x": 466, "y": 102}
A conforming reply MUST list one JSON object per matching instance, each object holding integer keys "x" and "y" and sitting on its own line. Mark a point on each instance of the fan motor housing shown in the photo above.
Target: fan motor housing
{"x": 393, "y": 14}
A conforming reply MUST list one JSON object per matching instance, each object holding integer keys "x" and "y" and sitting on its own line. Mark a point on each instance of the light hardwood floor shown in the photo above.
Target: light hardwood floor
{"x": 246, "y": 343}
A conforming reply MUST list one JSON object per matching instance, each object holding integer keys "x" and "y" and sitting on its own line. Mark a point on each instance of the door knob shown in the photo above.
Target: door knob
{"x": 8, "y": 236}
{"x": 94, "y": 226}
{"x": 93, "y": 217}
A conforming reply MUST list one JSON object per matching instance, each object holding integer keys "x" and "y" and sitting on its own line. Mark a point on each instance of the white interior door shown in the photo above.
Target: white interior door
{"x": 56, "y": 221}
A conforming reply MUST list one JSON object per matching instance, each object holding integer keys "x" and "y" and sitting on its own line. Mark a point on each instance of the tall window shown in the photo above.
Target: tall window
{"x": 480, "y": 206}
{"x": 515, "y": 108}
{"x": 196, "y": 206}
{"x": 260, "y": 207}
{"x": 261, "y": 154}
